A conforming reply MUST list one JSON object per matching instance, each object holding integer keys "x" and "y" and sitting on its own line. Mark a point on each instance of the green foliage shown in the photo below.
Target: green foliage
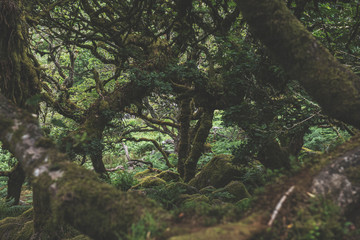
{"x": 321, "y": 220}
{"x": 146, "y": 228}
{"x": 123, "y": 180}
{"x": 7, "y": 161}
{"x": 324, "y": 139}
{"x": 209, "y": 214}
{"x": 166, "y": 195}
{"x": 224, "y": 196}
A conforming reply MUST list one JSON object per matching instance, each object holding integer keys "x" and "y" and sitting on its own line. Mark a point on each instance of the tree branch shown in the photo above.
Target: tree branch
{"x": 331, "y": 84}
{"x": 75, "y": 194}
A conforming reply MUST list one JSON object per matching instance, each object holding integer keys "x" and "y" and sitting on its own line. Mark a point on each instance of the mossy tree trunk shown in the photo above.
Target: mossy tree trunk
{"x": 19, "y": 78}
{"x": 184, "y": 143}
{"x": 202, "y": 132}
{"x": 65, "y": 192}
{"x": 94, "y": 127}
{"x": 331, "y": 84}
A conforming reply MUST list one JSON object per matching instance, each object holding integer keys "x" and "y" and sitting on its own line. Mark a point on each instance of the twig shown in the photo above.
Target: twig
{"x": 279, "y": 205}
{"x": 115, "y": 168}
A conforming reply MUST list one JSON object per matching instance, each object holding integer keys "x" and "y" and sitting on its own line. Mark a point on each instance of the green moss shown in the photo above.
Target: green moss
{"x": 332, "y": 85}
{"x": 26, "y": 232}
{"x": 237, "y": 190}
{"x": 353, "y": 174}
{"x": 150, "y": 181}
{"x": 17, "y": 227}
{"x": 169, "y": 176}
{"x": 207, "y": 190}
{"x": 244, "y": 229}
{"x": 97, "y": 209}
{"x": 218, "y": 172}
{"x": 198, "y": 144}
{"x": 321, "y": 219}
{"x": 103, "y": 105}
{"x": 183, "y": 187}
{"x": 145, "y": 173}
{"x": 195, "y": 198}
{"x": 5, "y": 124}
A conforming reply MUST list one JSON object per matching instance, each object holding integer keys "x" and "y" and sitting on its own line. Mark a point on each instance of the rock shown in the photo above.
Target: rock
{"x": 145, "y": 173}
{"x": 184, "y": 188}
{"x": 207, "y": 190}
{"x": 169, "y": 176}
{"x": 218, "y": 172}
{"x": 237, "y": 190}
{"x": 148, "y": 182}
{"x": 337, "y": 181}
{"x": 195, "y": 198}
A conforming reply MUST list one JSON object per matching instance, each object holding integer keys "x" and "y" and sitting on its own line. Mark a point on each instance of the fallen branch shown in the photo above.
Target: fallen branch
{"x": 132, "y": 161}
{"x": 279, "y": 205}
{"x": 115, "y": 168}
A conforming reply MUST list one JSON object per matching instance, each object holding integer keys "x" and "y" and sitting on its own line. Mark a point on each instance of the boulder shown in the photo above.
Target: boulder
{"x": 236, "y": 189}
{"x": 340, "y": 180}
{"x": 218, "y": 172}
{"x": 169, "y": 176}
{"x": 148, "y": 182}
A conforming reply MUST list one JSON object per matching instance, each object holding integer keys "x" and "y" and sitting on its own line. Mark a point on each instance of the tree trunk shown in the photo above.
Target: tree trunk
{"x": 19, "y": 79}
{"x": 15, "y": 182}
{"x": 198, "y": 144}
{"x": 63, "y": 191}
{"x": 335, "y": 177}
{"x": 331, "y": 84}
{"x": 184, "y": 143}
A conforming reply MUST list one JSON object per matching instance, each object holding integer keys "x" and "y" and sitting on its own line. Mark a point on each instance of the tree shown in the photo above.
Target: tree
{"x": 67, "y": 193}
{"x": 305, "y": 59}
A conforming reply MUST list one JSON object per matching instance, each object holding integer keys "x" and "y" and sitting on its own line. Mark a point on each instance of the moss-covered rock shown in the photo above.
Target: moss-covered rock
{"x": 169, "y": 176}
{"x": 145, "y": 173}
{"x": 184, "y": 188}
{"x": 150, "y": 181}
{"x": 207, "y": 190}
{"x": 236, "y": 189}
{"x": 20, "y": 227}
{"x": 195, "y": 198}
{"x": 353, "y": 174}
{"x": 218, "y": 172}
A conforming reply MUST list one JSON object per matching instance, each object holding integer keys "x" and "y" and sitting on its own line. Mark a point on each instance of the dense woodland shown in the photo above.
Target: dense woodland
{"x": 179, "y": 119}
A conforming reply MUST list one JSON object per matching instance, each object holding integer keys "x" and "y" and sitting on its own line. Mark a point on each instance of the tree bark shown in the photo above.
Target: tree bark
{"x": 19, "y": 79}
{"x": 198, "y": 144}
{"x": 71, "y": 193}
{"x": 331, "y": 84}
{"x": 15, "y": 182}
{"x": 184, "y": 143}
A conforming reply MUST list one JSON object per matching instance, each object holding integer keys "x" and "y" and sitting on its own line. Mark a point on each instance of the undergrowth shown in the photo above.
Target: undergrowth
{"x": 7, "y": 209}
